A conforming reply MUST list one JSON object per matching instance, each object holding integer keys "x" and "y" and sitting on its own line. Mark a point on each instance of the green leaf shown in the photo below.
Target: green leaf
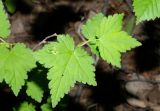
{"x": 67, "y": 64}
{"x": 26, "y": 107}
{"x": 146, "y": 9}
{"x": 4, "y": 22}
{"x": 35, "y": 91}
{"x": 11, "y": 5}
{"x": 14, "y": 65}
{"x": 105, "y": 35}
{"x": 46, "y": 107}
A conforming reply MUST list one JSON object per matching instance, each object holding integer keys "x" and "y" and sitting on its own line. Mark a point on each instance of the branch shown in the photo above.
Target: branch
{"x": 44, "y": 41}
{"x": 83, "y": 43}
{"x": 105, "y": 7}
{"x": 2, "y": 40}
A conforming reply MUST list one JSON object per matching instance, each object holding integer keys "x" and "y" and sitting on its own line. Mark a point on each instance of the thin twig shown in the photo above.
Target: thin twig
{"x": 86, "y": 42}
{"x": 83, "y": 43}
{"x": 44, "y": 40}
{"x": 2, "y": 40}
{"x": 105, "y": 7}
{"x": 92, "y": 106}
{"x": 80, "y": 34}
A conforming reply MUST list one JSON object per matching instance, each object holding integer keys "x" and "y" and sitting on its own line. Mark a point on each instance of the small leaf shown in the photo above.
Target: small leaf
{"x": 106, "y": 35}
{"x": 46, "y": 107}
{"x": 34, "y": 91}
{"x": 4, "y": 22}
{"x": 26, "y": 107}
{"x": 146, "y": 9}
{"x": 67, "y": 64}
{"x": 14, "y": 65}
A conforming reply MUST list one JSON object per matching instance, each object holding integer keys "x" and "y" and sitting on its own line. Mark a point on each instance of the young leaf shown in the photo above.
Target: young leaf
{"x": 4, "y": 22}
{"x": 67, "y": 64}
{"x": 26, "y": 107}
{"x": 14, "y": 64}
{"x": 146, "y": 9}
{"x": 106, "y": 35}
{"x": 34, "y": 91}
{"x": 46, "y": 107}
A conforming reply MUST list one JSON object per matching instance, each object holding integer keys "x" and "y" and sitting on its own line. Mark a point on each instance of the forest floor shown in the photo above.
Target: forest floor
{"x": 134, "y": 87}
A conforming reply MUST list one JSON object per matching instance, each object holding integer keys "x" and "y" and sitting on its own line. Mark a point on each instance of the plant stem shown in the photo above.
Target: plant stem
{"x": 44, "y": 41}
{"x": 83, "y": 43}
{"x": 2, "y": 40}
{"x": 105, "y": 7}
{"x": 130, "y": 24}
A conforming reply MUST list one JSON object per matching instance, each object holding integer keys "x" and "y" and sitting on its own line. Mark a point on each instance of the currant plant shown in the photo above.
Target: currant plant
{"x": 13, "y": 70}
{"x": 106, "y": 35}
{"x": 68, "y": 63}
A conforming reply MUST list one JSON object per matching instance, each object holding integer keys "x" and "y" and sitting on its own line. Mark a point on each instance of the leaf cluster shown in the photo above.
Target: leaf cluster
{"x": 66, "y": 62}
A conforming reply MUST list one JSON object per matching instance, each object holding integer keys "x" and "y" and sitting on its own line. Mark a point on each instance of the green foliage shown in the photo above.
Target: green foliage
{"x": 11, "y": 5}
{"x": 67, "y": 64}
{"x": 35, "y": 91}
{"x": 26, "y": 107}
{"x": 146, "y": 9}
{"x": 4, "y": 22}
{"x": 46, "y": 107}
{"x": 106, "y": 35}
{"x": 14, "y": 65}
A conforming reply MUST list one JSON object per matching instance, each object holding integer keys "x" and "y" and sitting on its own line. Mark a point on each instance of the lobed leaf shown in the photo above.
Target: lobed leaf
{"x": 106, "y": 37}
{"x": 14, "y": 65}
{"x": 67, "y": 64}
